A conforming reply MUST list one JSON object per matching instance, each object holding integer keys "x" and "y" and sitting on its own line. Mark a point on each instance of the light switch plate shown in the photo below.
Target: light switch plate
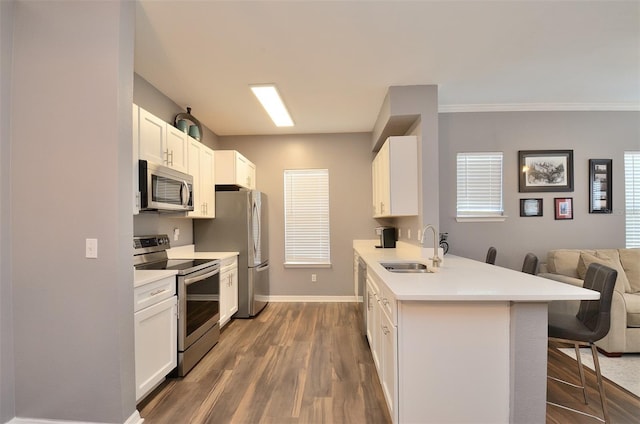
{"x": 91, "y": 248}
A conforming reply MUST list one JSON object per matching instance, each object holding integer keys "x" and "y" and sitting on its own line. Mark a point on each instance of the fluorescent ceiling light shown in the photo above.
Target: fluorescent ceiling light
{"x": 268, "y": 96}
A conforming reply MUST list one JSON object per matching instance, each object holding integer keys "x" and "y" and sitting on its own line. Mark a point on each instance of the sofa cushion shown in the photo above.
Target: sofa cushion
{"x": 630, "y": 259}
{"x": 632, "y": 304}
{"x": 607, "y": 257}
{"x": 564, "y": 261}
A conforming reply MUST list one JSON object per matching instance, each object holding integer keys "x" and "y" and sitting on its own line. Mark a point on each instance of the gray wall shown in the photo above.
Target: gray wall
{"x": 7, "y": 381}
{"x": 71, "y": 180}
{"x": 150, "y": 98}
{"x": 591, "y": 135}
{"x": 348, "y": 158}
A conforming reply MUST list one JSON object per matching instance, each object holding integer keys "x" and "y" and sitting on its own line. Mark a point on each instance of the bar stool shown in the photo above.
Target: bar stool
{"x": 491, "y": 256}
{"x": 587, "y": 327}
{"x": 530, "y": 264}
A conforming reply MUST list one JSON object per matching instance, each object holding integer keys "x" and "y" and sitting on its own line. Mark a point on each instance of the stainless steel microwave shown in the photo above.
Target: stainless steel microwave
{"x": 164, "y": 189}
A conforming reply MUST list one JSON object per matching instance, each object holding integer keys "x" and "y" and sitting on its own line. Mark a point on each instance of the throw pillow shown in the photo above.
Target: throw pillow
{"x": 587, "y": 259}
{"x": 630, "y": 259}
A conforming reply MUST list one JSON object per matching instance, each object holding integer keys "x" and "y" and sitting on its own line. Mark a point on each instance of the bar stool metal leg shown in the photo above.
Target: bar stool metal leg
{"x": 581, "y": 370}
{"x": 596, "y": 363}
{"x": 603, "y": 397}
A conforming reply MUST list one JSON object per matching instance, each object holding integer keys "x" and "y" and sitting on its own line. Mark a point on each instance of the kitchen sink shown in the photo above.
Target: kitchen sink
{"x": 405, "y": 267}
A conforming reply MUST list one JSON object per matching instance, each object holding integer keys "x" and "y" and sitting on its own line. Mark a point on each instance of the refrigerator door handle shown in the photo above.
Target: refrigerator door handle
{"x": 262, "y": 267}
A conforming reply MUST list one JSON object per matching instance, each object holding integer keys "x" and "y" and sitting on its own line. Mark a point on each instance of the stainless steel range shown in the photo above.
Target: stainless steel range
{"x": 198, "y": 288}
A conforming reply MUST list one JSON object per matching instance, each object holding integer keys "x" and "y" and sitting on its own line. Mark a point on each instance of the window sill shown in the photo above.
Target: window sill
{"x": 307, "y": 265}
{"x": 481, "y": 218}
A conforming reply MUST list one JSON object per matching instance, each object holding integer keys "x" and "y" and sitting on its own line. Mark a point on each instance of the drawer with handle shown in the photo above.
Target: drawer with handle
{"x": 152, "y": 293}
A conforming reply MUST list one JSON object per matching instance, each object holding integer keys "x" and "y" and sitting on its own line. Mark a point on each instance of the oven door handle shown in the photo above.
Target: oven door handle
{"x": 192, "y": 280}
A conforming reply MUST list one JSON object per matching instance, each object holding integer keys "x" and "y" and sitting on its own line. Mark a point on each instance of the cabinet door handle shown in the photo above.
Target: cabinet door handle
{"x": 385, "y": 330}
{"x": 385, "y": 301}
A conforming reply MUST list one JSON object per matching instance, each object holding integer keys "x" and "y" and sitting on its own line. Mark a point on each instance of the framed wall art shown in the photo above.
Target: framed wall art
{"x": 600, "y": 186}
{"x": 563, "y": 207}
{"x": 530, "y": 207}
{"x": 545, "y": 170}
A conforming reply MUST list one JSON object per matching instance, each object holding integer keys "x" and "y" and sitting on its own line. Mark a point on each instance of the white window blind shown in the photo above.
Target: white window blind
{"x": 306, "y": 217}
{"x": 632, "y": 198}
{"x": 479, "y": 185}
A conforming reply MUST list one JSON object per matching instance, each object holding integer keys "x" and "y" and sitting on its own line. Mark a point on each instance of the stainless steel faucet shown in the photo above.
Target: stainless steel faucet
{"x": 436, "y": 261}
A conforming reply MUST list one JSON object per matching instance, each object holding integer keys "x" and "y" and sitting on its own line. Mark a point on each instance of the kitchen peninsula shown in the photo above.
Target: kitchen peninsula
{"x": 467, "y": 343}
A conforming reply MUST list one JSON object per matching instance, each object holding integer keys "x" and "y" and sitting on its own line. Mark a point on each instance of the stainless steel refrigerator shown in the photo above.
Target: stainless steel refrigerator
{"x": 240, "y": 225}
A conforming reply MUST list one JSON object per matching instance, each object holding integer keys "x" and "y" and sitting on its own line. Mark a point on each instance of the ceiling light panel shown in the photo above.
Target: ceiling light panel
{"x": 270, "y": 99}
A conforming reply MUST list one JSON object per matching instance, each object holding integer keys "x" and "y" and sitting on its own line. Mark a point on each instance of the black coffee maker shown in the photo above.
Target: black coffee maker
{"x": 387, "y": 237}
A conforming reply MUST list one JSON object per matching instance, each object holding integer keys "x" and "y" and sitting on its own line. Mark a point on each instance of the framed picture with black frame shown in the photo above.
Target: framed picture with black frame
{"x": 600, "y": 186}
{"x": 530, "y": 207}
{"x": 545, "y": 170}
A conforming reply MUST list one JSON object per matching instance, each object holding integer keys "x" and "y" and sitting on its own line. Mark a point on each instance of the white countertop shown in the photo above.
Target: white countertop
{"x": 188, "y": 252}
{"x": 462, "y": 279}
{"x": 144, "y": 276}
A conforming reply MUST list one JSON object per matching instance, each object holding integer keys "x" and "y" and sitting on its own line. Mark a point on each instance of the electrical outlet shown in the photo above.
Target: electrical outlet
{"x": 314, "y": 278}
{"x": 419, "y": 235}
{"x": 409, "y": 233}
{"x": 399, "y": 232}
{"x": 176, "y": 234}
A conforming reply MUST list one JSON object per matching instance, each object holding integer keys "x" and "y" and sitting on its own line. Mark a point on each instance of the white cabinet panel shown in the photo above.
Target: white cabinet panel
{"x": 234, "y": 169}
{"x": 136, "y": 154}
{"x": 152, "y": 137}
{"x": 389, "y": 361}
{"x": 201, "y": 167}
{"x": 177, "y": 147}
{"x": 228, "y": 289}
{"x": 395, "y": 178}
{"x": 156, "y": 350}
{"x": 161, "y": 143}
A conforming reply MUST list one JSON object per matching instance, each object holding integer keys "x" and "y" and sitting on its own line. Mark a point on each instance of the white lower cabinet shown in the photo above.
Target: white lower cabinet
{"x": 228, "y": 289}
{"x": 389, "y": 362}
{"x": 156, "y": 334}
{"x": 382, "y": 333}
{"x": 373, "y": 321}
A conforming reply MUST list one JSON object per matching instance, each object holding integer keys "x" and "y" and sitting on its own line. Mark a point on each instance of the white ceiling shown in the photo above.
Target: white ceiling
{"x": 334, "y": 60}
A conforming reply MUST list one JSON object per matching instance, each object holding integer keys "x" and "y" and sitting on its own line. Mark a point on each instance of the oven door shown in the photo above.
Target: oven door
{"x": 199, "y": 305}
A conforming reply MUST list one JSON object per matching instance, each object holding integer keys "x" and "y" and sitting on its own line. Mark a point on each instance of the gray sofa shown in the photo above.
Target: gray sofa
{"x": 569, "y": 266}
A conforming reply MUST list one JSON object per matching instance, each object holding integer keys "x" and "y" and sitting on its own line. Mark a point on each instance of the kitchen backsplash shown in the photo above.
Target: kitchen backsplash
{"x": 156, "y": 223}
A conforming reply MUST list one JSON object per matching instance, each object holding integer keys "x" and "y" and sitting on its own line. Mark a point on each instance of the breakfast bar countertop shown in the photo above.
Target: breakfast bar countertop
{"x": 461, "y": 279}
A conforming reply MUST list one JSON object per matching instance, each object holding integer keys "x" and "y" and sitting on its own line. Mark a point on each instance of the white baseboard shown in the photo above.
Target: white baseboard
{"x": 135, "y": 418}
{"x": 276, "y": 299}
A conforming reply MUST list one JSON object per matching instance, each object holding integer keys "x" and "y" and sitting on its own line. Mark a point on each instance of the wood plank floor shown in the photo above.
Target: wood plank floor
{"x": 309, "y": 363}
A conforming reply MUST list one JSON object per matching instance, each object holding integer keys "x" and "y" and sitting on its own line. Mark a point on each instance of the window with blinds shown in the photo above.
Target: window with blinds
{"x": 632, "y": 198}
{"x": 306, "y": 217}
{"x": 479, "y": 186}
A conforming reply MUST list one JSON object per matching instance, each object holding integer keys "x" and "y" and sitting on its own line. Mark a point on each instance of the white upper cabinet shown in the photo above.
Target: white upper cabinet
{"x": 234, "y": 169}
{"x": 201, "y": 167}
{"x": 161, "y": 143}
{"x": 177, "y": 149}
{"x": 136, "y": 147}
{"x": 395, "y": 178}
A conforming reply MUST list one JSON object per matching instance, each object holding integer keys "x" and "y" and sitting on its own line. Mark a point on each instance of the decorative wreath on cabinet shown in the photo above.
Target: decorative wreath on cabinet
{"x": 184, "y": 126}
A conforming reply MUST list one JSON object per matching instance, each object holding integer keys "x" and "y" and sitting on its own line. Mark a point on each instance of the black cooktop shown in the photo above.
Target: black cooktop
{"x": 183, "y": 266}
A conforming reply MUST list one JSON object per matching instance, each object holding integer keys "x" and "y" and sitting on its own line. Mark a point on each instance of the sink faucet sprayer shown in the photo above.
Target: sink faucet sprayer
{"x": 435, "y": 260}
